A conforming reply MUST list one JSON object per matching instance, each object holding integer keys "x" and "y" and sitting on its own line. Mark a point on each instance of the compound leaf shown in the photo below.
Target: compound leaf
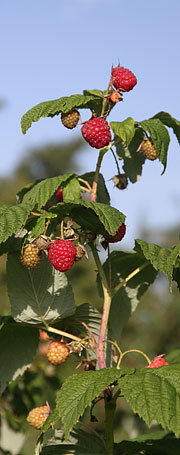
{"x": 169, "y": 121}
{"x": 160, "y": 137}
{"x": 37, "y": 295}
{"x": 79, "y": 390}
{"x": 54, "y": 107}
{"x": 127, "y": 293}
{"x": 18, "y": 346}
{"x": 12, "y": 218}
{"x": 125, "y": 130}
{"x": 42, "y": 191}
{"x": 161, "y": 258}
{"x": 79, "y": 443}
{"x": 155, "y": 394}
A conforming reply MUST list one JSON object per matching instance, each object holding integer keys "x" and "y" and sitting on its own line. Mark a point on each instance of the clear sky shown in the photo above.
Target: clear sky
{"x": 58, "y": 48}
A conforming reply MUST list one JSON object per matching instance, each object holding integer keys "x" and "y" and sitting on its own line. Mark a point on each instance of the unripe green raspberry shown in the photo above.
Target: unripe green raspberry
{"x": 70, "y": 119}
{"x": 31, "y": 256}
{"x": 148, "y": 149}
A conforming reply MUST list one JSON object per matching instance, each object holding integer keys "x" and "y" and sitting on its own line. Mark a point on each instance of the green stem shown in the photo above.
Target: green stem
{"x": 62, "y": 333}
{"x": 132, "y": 350}
{"x": 96, "y": 175}
{"x": 110, "y": 407}
{"x": 99, "y": 265}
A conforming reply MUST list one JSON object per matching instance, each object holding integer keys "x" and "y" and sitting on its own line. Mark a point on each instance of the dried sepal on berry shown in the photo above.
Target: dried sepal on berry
{"x": 70, "y": 119}
{"x": 80, "y": 252}
{"x": 42, "y": 242}
{"x": 120, "y": 181}
{"x": 31, "y": 256}
{"x": 37, "y": 416}
{"x": 58, "y": 352}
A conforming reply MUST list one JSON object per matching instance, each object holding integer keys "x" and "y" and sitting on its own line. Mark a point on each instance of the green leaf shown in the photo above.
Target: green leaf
{"x": 102, "y": 192}
{"x": 97, "y": 101}
{"x": 72, "y": 190}
{"x": 79, "y": 390}
{"x": 133, "y": 161}
{"x": 42, "y": 191}
{"x": 125, "y": 130}
{"x": 160, "y": 137}
{"x": 169, "y": 121}
{"x": 54, "y": 107}
{"x": 12, "y": 218}
{"x": 94, "y": 216}
{"x": 127, "y": 297}
{"x": 18, "y": 346}
{"x": 37, "y": 295}
{"x": 161, "y": 258}
{"x": 79, "y": 443}
{"x": 155, "y": 394}
{"x": 166, "y": 446}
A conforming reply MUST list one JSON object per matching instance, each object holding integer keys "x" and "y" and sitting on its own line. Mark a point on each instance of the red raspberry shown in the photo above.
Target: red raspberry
{"x": 37, "y": 416}
{"x": 58, "y": 352}
{"x": 96, "y": 132}
{"x": 118, "y": 235}
{"x": 157, "y": 362}
{"x": 123, "y": 79}
{"x": 61, "y": 254}
{"x": 59, "y": 195}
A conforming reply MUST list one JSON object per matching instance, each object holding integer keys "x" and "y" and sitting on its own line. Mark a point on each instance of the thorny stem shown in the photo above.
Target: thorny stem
{"x": 106, "y": 308}
{"x": 104, "y": 321}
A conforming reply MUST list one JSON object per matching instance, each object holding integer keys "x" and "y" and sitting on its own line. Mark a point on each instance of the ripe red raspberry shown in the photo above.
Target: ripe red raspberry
{"x": 158, "y": 361}
{"x": 70, "y": 119}
{"x": 123, "y": 79}
{"x": 31, "y": 256}
{"x": 37, "y": 416}
{"x": 61, "y": 254}
{"x": 59, "y": 195}
{"x": 118, "y": 235}
{"x": 96, "y": 132}
{"x": 58, "y": 352}
{"x": 148, "y": 149}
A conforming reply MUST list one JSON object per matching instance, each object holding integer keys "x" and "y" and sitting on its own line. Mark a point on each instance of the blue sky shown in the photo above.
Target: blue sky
{"x": 54, "y": 49}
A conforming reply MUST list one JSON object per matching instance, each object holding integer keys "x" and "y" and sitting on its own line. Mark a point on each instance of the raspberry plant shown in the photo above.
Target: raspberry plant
{"x": 83, "y": 221}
